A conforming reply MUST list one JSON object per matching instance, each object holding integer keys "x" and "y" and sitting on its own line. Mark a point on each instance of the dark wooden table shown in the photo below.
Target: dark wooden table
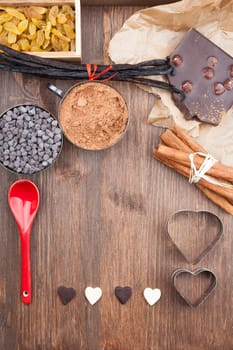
{"x": 102, "y": 222}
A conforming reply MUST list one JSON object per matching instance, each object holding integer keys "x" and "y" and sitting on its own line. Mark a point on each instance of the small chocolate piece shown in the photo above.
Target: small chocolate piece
{"x": 187, "y": 87}
{"x": 177, "y": 60}
{"x": 208, "y": 73}
{"x": 219, "y": 88}
{"x": 123, "y": 294}
{"x": 212, "y": 61}
{"x": 228, "y": 84}
{"x": 209, "y": 69}
{"x": 66, "y": 294}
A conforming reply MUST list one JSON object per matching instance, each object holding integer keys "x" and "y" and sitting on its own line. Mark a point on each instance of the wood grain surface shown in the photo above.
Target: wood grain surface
{"x": 102, "y": 222}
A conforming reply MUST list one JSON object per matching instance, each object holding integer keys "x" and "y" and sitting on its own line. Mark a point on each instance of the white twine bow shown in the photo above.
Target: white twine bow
{"x": 197, "y": 174}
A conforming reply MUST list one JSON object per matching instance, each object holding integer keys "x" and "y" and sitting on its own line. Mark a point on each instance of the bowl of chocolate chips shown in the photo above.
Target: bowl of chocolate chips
{"x": 30, "y": 139}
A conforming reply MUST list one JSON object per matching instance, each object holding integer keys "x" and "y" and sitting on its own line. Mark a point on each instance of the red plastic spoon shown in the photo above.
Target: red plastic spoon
{"x": 24, "y": 199}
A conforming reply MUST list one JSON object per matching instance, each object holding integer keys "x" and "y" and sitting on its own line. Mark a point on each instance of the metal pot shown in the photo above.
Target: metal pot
{"x": 60, "y": 93}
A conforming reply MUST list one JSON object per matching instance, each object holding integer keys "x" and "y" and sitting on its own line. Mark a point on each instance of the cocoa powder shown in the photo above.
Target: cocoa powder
{"x": 93, "y": 115}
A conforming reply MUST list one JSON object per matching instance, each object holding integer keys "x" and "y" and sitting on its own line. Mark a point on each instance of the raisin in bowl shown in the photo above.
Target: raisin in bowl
{"x": 30, "y": 139}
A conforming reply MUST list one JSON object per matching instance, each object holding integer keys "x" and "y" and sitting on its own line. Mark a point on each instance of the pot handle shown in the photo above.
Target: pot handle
{"x": 56, "y": 90}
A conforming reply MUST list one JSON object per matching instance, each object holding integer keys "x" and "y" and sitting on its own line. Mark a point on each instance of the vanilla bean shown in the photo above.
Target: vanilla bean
{"x": 155, "y": 83}
{"x": 79, "y": 67}
{"x": 163, "y": 70}
{"x": 35, "y": 69}
{"x": 155, "y": 62}
{"x": 58, "y": 73}
{"x": 40, "y": 60}
{"x": 45, "y": 72}
{"x": 15, "y": 61}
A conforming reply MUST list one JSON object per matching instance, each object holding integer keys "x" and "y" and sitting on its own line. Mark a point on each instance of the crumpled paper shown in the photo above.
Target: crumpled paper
{"x": 154, "y": 33}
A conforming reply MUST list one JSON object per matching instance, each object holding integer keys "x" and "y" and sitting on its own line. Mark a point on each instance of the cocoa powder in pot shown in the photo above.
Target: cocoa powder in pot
{"x": 93, "y": 115}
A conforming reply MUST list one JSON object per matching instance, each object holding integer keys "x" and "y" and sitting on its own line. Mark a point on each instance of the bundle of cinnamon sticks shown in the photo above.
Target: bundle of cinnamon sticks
{"x": 174, "y": 151}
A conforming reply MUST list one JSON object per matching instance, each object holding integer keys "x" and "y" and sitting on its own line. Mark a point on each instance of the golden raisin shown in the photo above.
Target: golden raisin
{"x": 48, "y": 30}
{"x": 5, "y": 17}
{"x": 69, "y": 31}
{"x": 61, "y": 18}
{"x": 53, "y": 12}
{"x": 40, "y": 38}
{"x": 37, "y": 28}
{"x": 15, "y": 13}
{"x": 15, "y": 47}
{"x": 24, "y": 44}
{"x": 12, "y": 37}
{"x": 11, "y": 27}
{"x": 22, "y": 26}
{"x": 31, "y": 28}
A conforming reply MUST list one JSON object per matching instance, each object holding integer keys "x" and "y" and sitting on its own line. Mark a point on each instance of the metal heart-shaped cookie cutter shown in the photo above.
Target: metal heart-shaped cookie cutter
{"x": 195, "y": 273}
{"x": 204, "y": 216}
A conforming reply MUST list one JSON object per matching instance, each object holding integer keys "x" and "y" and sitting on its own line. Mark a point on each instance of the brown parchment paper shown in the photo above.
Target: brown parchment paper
{"x": 154, "y": 33}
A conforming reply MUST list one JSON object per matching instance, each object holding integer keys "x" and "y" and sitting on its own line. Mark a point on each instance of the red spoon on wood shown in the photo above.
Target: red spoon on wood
{"x": 23, "y": 199}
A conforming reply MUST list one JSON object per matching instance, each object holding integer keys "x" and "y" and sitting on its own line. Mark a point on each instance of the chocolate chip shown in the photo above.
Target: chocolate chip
{"x": 208, "y": 73}
{"x": 228, "y": 84}
{"x": 66, "y": 294}
{"x": 123, "y": 294}
{"x": 40, "y": 133}
{"x": 32, "y": 111}
{"x": 219, "y": 88}
{"x": 27, "y": 118}
{"x": 54, "y": 123}
{"x": 187, "y": 86}
{"x": 8, "y": 118}
{"x": 57, "y": 131}
{"x": 23, "y": 109}
{"x": 57, "y": 138}
{"x": 9, "y": 113}
{"x": 212, "y": 61}
{"x": 177, "y": 60}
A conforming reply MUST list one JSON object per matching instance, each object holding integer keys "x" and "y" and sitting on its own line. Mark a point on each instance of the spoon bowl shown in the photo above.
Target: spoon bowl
{"x": 24, "y": 199}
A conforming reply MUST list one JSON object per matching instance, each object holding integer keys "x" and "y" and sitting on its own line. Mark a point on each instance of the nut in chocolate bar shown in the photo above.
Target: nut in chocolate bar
{"x": 205, "y": 74}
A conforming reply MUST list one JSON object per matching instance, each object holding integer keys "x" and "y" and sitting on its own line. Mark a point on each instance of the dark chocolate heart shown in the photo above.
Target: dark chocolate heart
{"x": 66, "y": 294}
{"x": 123, "y": 294}
{"x": 194, "y": 287}
{"x": 194, "y": 233}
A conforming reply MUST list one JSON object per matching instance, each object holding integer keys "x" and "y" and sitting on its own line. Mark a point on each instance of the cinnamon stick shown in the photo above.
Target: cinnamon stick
{"x": 217, "y": 198}
{"x": 218, "y": 170}
{"x": 174, "y": 150}
{"x": 170, "y": 139}
{"x": 225, "y": 192}
{"x": 187, "y": 139}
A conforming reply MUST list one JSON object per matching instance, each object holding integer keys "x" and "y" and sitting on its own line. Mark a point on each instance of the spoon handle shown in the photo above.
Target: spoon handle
{"x": 25, "y": 268}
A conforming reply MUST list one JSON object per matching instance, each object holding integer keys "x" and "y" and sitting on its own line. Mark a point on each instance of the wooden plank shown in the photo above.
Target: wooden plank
{"x": 102, "y": 222}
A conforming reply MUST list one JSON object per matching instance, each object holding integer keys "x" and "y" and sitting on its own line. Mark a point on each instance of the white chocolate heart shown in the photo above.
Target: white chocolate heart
{"x": 152, "y": 295}
{"x": 93, "y": 294}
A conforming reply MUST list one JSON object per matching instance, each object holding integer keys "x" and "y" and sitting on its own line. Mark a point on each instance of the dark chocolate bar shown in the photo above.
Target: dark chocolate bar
{"x": 205, "y": 74}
